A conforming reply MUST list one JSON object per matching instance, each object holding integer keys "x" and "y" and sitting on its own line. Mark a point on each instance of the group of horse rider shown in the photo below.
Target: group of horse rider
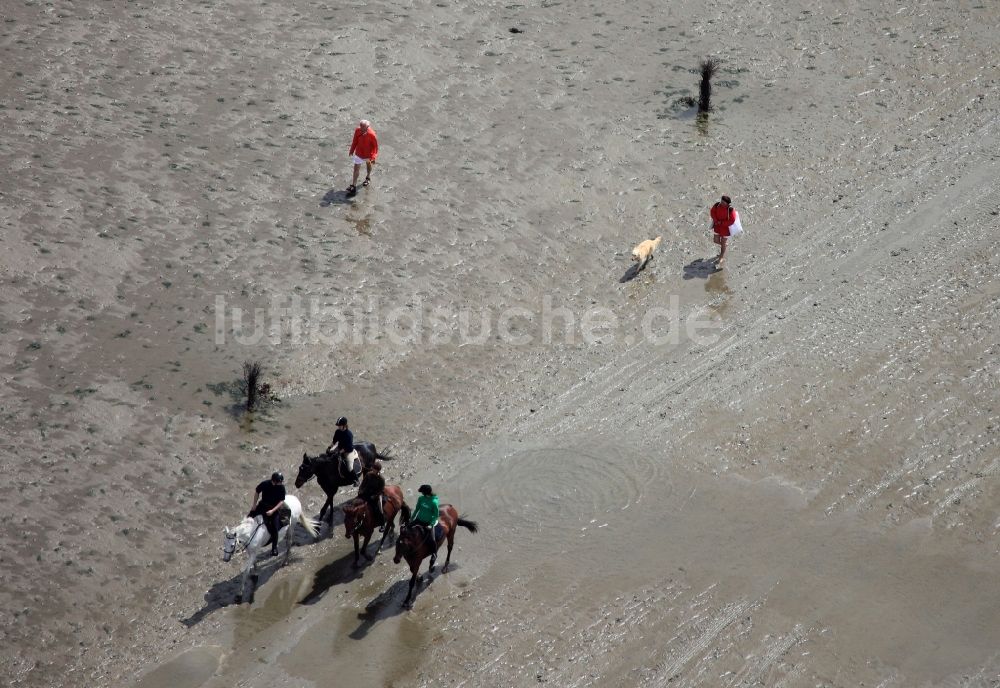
{"x": 269, "y": 495}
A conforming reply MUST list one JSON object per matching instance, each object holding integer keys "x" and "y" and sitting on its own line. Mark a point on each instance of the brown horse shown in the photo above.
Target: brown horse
{"x": 413, "y": 543}
{"x": 359, "y": 519}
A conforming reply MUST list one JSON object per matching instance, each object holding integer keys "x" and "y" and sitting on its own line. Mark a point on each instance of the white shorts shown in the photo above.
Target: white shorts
{"x": 360, "y": 161}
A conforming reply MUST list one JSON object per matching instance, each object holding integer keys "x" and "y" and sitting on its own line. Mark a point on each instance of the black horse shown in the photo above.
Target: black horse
{"x": 329, "y": 472}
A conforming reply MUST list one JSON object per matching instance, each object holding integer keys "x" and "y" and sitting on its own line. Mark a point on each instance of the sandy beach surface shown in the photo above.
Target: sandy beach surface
{"x": 784, "y": 473}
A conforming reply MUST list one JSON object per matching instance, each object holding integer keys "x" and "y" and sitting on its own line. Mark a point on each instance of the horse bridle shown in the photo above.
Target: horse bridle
{"x": 234, "y": 545}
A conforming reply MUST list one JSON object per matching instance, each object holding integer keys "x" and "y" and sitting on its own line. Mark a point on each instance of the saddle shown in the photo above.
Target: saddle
{"x": 284, "y": 518}
{"x": 348, "y": 465}
{"x": 431, "y": 534}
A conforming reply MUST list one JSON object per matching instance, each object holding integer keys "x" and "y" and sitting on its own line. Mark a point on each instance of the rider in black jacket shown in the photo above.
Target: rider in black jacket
{"x": 271, "y": 496}
{"x": 372, "y": 486}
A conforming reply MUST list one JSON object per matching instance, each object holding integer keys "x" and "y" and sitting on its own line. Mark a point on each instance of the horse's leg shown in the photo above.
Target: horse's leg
{"x": 389, "y": 526}
{"x": 288, "y": 543}
{"x": 328, "y": 505}
{"x": 413, "y": 582}
{"x": 251, "y": 559}
{"x": 357, "y": 550}
{"x": 364, "y": 547}
{"x": 451, "y": 543}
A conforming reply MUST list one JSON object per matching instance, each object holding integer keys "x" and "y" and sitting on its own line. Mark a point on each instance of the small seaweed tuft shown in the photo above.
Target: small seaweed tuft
{"x": 251, "y": 382}
{"x": 707, "y": 68}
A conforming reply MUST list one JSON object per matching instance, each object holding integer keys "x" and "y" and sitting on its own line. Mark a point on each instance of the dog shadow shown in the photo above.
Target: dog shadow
{"x": 632, "y": 272}
{"x": 336, "y": 197}
{"x": 701, "y": 268}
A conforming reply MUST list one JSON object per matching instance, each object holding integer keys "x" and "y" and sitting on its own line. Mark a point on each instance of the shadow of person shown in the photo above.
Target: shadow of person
{"x": 701, "y": 268}
{"x": 716, "y": 283}
{"x": 333, "y": 196}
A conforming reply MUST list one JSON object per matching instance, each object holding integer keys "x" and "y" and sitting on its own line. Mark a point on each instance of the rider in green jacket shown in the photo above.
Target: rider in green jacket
{"x": 426, "y": 514}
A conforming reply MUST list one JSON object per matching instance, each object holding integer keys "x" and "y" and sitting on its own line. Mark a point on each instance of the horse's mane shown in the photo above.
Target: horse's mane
{"x": 322, "y": 458}
{"x": 246, "y": 526}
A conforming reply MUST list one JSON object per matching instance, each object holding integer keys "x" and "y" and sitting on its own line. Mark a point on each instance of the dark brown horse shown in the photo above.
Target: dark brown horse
{"x": 359, "y": 520}
{"x": 413, "y": 543}
{"x": 329, "y": 472}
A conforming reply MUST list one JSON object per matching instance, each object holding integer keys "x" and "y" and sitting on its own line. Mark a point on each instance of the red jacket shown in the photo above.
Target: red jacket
{"x": 722, "y": 218}
{"x": 364, "y": 145}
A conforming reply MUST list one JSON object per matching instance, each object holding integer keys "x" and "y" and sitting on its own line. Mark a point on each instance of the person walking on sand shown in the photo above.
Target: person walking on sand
{"x": 364, "y": 149}
{"x": 725, "y": 220}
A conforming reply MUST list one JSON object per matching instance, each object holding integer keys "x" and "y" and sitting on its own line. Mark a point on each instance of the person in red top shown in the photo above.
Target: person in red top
{"x": 364, "y": 149}
{"x": 723, "y": 216}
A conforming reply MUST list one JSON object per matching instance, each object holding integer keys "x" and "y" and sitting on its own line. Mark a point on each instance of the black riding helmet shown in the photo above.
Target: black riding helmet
{"x": 342, "y": 421}
{"x": 425, "y": 490}
{"x": 277, "y": 477}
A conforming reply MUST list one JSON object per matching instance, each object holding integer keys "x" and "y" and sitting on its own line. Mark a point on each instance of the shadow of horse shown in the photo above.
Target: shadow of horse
{"x": 223, "y": 594}
{"x": 220, "y": 595}
{"x": 700, "y": 268}
{"x": 384, "y": 606}
{"x": 339, "y": 572}
{"x": 333, "y": 196}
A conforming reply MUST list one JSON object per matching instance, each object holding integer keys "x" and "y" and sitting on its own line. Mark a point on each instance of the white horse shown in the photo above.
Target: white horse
{"x": 251, "y": 534}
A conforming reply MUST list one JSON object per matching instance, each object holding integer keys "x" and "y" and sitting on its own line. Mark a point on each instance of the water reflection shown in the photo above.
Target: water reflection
{"x": 716, "y": 284}
{"x": 362, "y": 225}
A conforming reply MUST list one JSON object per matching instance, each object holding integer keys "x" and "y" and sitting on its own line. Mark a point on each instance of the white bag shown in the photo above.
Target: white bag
{"x": 737, "y": 226}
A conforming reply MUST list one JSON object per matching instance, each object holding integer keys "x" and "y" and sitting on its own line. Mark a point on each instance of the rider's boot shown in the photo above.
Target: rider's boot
{"x": 434, "y": 545}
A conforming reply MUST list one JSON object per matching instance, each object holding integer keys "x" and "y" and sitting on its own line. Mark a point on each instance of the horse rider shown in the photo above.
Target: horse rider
{"x": 372, "y": 486}
{"x": 426, "y": 514}
{"x": 268, "y": 499}
{"x": 342, "y": 445}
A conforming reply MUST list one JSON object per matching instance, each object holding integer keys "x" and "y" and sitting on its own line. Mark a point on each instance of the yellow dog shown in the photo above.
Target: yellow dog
{"x": 644, "y": 251}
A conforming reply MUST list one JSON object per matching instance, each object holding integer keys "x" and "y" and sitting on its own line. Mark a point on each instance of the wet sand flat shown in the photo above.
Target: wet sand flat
{"x": 781, "y": 473}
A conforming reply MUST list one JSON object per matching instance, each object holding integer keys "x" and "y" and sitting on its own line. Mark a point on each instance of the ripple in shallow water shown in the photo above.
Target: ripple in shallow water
{"x": 569, "y": 488}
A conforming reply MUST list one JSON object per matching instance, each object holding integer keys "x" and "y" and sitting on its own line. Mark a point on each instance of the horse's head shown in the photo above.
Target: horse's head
{"x": 406, "y": 543}
{"x": 306, "y": 472}
{"x": 233, "y": 538}
{"x": 354, "y": 516}
{"x": 228, "y": 544}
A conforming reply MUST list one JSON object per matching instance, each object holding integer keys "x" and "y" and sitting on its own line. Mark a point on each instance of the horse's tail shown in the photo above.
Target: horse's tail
{"x": 471, "y": 525}
{"x": 309, "y": 525}
{"x": 295, "y": 506}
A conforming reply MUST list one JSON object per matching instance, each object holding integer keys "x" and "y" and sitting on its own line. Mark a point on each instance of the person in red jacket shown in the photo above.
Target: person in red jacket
{"x": 364, "y": 149}
{"x": 723, "y": 216}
